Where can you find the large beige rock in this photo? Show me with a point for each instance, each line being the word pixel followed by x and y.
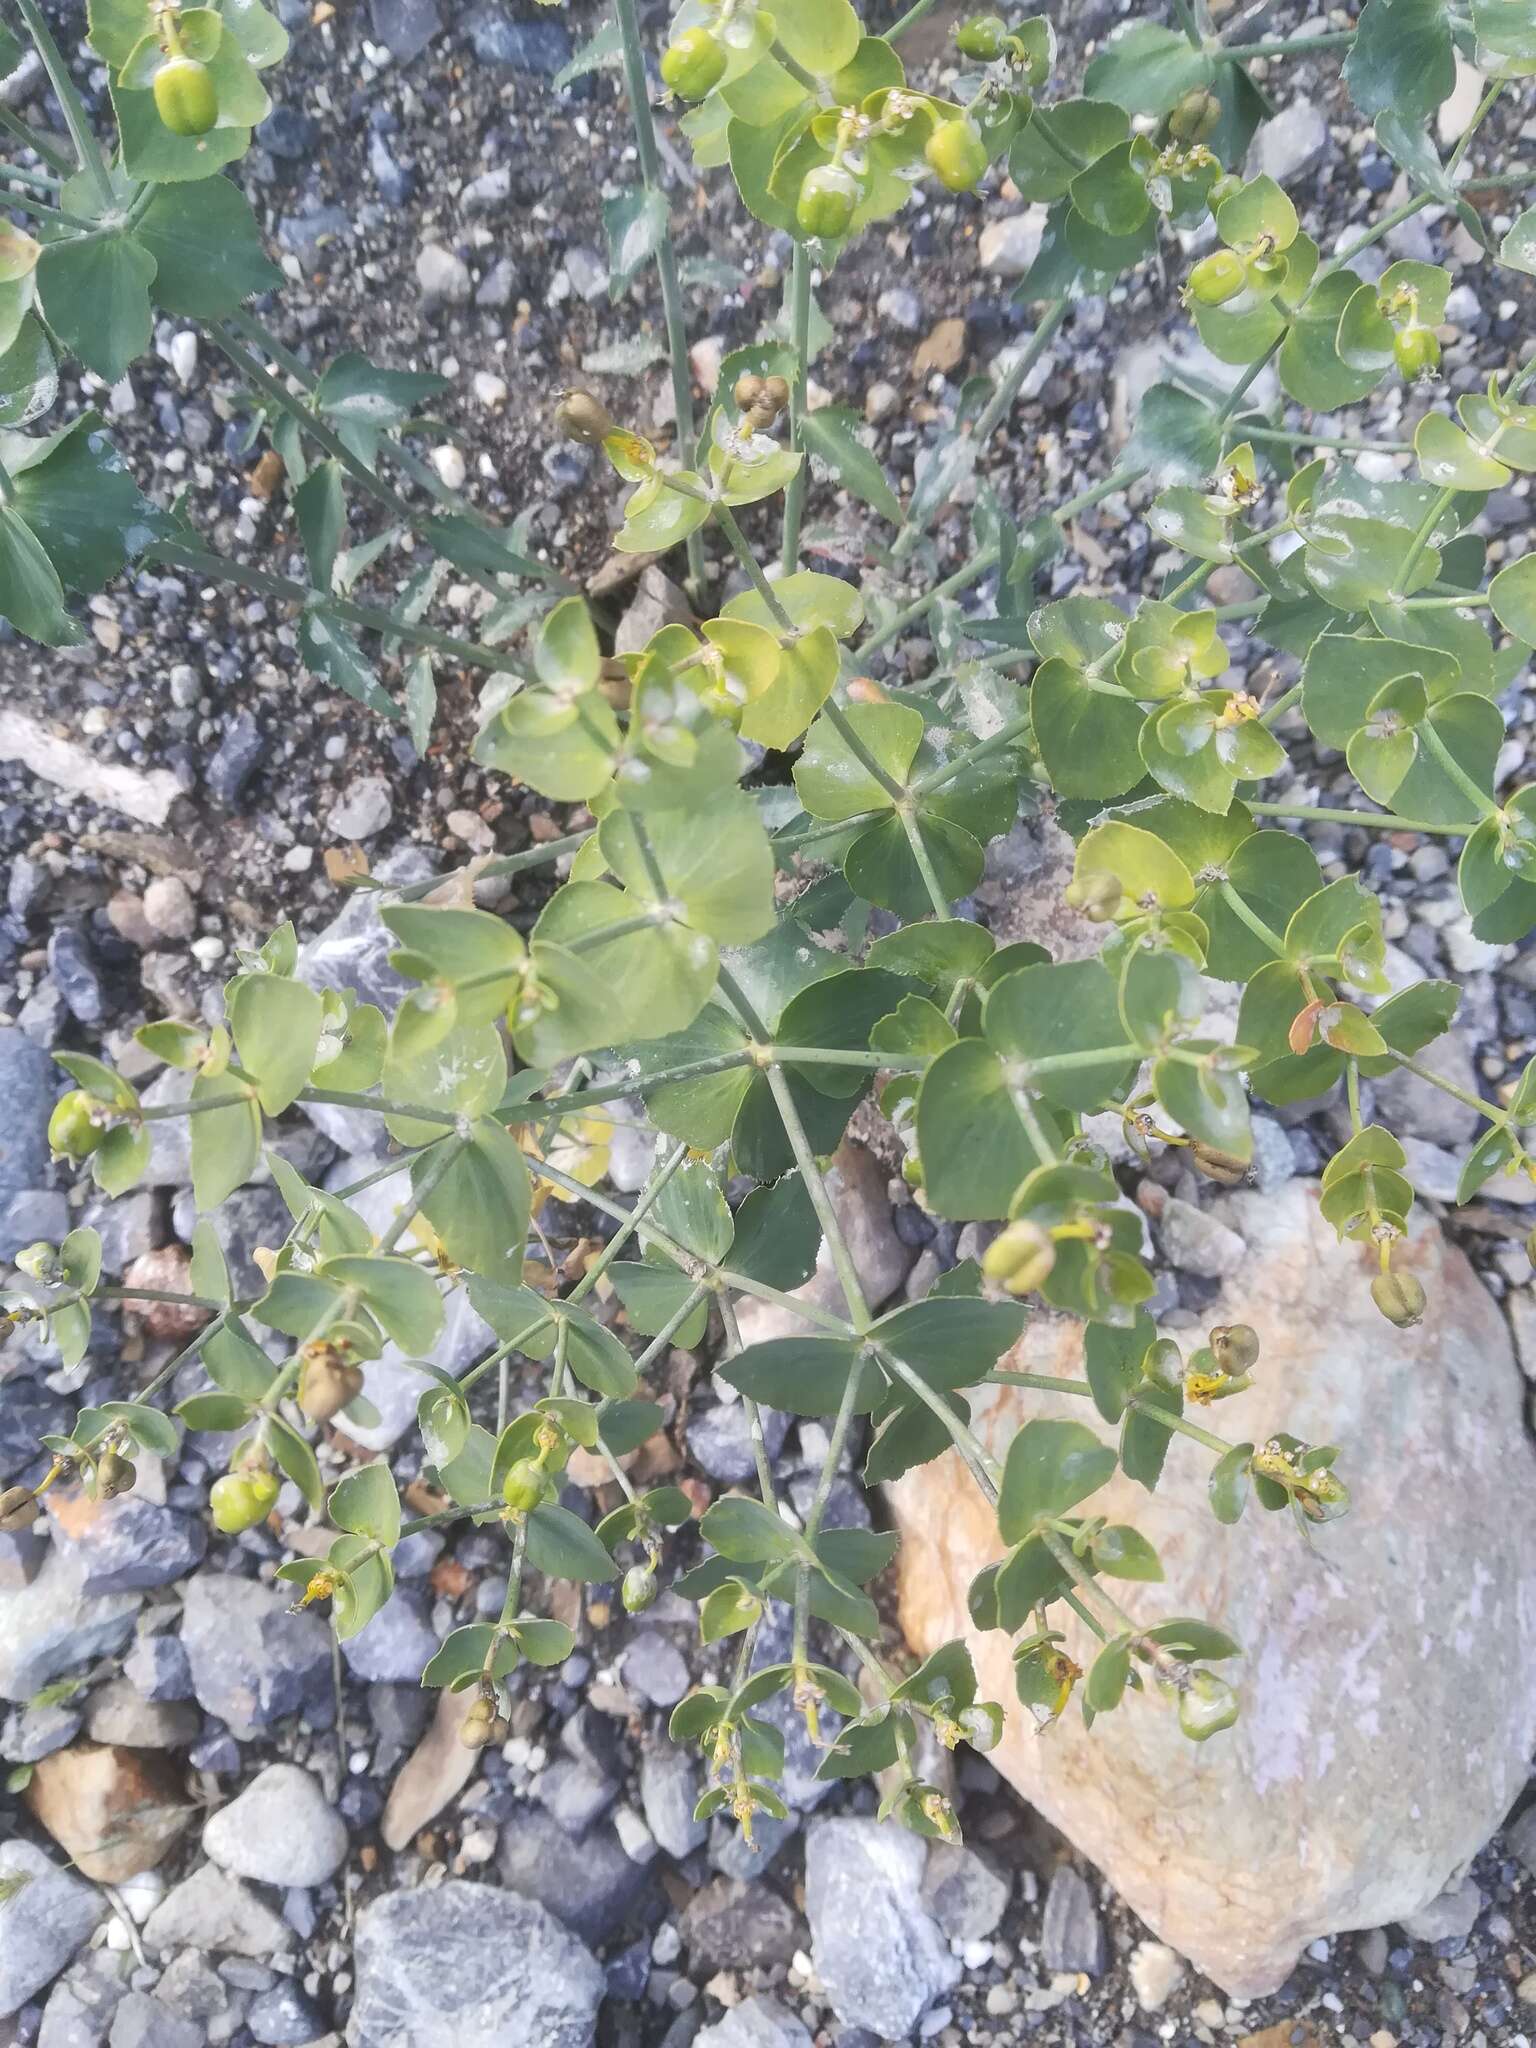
pixel 1389 1687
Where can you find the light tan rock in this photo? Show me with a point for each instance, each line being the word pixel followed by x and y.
pixel 437 1770
pixel 113 1811
pixel 1389 1686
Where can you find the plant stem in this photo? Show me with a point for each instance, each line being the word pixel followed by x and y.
pixel 925 868
pixel 638 91
pixel 1479 799
pixel 1188 23
pixel 800 342
pixel 40 209
pixel 504 864
pixel 821 1201
pixel 71 105
pixel 1491 1110
pixel 1343 443
pixel 914 14
pixel 848 733
pixel 1182 1426
pixel 1002 399
pixel 1286 46
pixel 725 519
pixel 1243 911
pixel 41 145
pixel 448 1151
pixel 1321 814
pixel 754 1413
pixel 983 1467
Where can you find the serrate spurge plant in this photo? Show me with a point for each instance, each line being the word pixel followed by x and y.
pixel 754 797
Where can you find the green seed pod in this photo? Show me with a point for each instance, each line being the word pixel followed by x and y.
pixel 115 1474
pixel 1162 1364
pixel 639 1589
pixel 525 1486
pixel 1206 1706
pixel 828 198
pixel 1020 1256
pixel 18 1509
pixel 1196 116
pixel 694 64
pixel 1217 277
pixel 186 98
pixel 1416 351
pixel 73 1132
pixel 1096 895
pixel 38 1261
pixel 235 1504
pixel 1400 1299
pixel 1236 1347
pixel 956 154
pixel 983 37
pixel 980 1727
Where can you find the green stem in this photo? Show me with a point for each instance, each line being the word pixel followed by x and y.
pixel 1002 400
pixel 1246 914
pixel 645 1201
pixel 914 14
pixel 59 216
pixel 1189 25
pixel 42 146
pixel 1342 442
pixel 1321 814
pixel 821 1201
pixel 800 342
pixel 582 1099
pixel 983 1467
pixel 71 105
pixel 638 91
pixel 448 1151
pixel 1182 1426
pixel 848 733
pixel 1491 1110
pixel 1286 46
pixel 725 519
pixel 1273 713
pixel 754 1413
pixel 1479 799
pixel 504 864
pixel 1093 1594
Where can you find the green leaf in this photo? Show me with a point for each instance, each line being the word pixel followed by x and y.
pixel 95 296
pixel 226 1142
pixel 562 1547
pixel 330 648
pixel 1229 1483
pixel 480 1206
pixel 1143 1440
pixel 1050 1467
pixel 803 1375
pixel 80 500
pixel 1146 68
pixel 1402 60
pixel 777 1235
pixel 1086 730
pixel 276 1023
pixel 823 35
pixel 635 223
pixel 951 1341
pixel 716 864
pixel 831 433
pixel 401 1295
pixel 31 595
pixel 366 1503
pixel 463 1655
pixel 1039 1011
pixel 1512 594
pixel 832 782
pixel 973 1148
pixel 206 249
pixel 746 1532
pixel 320 506
pixel 296 1459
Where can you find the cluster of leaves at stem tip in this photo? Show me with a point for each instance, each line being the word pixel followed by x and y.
pixel 708 950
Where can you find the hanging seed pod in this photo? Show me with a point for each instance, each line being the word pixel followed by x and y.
pixel 1225 1168
pixel 18 1509
pixel 639 1589
pixel 1097 896
pixel 115 1475
pixel 482 1727
pixel 1236 1347
pixel 581 417
pixel 1206 1706
pixel 1400 1298
pixel 327 1382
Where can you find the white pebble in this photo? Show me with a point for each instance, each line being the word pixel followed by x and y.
pixel 449 464
pixel 184 354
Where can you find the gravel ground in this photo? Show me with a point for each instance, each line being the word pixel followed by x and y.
pixel 126 899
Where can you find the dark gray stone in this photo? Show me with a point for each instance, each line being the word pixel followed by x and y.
pixel 143 2022
pixel 252 1662
pixel 574 1794
pixel 51 1625
pixel 404 27
pixel 719 1442
pixel 729 1925
pixel 81 2004
pixel 131 1544
pixel 158 1667
pixel 399 1642
pixel 284 2016
pixel 1520 1839
pixel 34 1213
pixel 670 1783
pixel 759 2022
pixel 235 759
pixel 75 973
pixel 28 1412
pixel 528 45
pixel 399 1714
pixel 965 1892
pixel 590 1884
pixel 1071 1937
pixel 287 132
pixel 31 1733
pixel 655 1668
pixel 464 1963
pixel 46 1919
pixel 30 1084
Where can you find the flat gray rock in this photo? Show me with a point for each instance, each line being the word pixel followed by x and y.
pixel 878 1950
pixel 46 1919
pixel 281 1830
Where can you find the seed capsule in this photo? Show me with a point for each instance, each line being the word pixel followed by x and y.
pixel 482 1726
pixel 581 417
pixel 18 1509
pixel 694 64
pixel 186 98
pixel 982 37
pixel 327 1382
pixel 115 1474
pixel 1416 351
pixel 73 1132
pixel 747 389
pixel 1098 896
pixel 235 1504
pixel 1400 1298
pixel 1021 1257
pixel 639 1589
pixel 828 197
pixel 1206 1706
pixel 1225 1168
pixel 1196 116
pixel 1236 1346
pixel 1218 277
pixel 524 1486
pixel 956 154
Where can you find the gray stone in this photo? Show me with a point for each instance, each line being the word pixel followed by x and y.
pixel 670 1784
pixel 587 271
pixel 31 1733
pixel 249 1217
pixel 399 1713
pixel 1071 1937
pixel 464 1963
pixel 730 1925
pixel 158 1667
pixel 170 1141
pixel 1450 1917
pixel 252 1661
pixel 655 1668
pixel 498 38
pixel 30 1084
pixel 125 1225
pixel 755 2023
pixel 719 1439
pixel 497 288
pixel 76 975
pixel 491 189
pixel 283 2017
pixel 1290 145
pixel 404 27
pixel 143 2022
pixel 191 1987
pixel 1273 1160
pixel 119 1714
pixel 29 1215
pixel 1008 246
pixel 734 1856
pixel 1197 1242
pixel 235 759
pixel 81 2004
pixel 590 1884
pixel 280 1830
pixel 1520 1839
pixel 28 1412
pixel 878 1950
pixel 901 308
pixel 574 1794
pixel 212 1910
pixel 443 277
pixel 965 1892
pixel 398 1643
pixel 1416 1108
pixel 52 1625
pixel 130 1544
pixel 43 1922
pixel 365 808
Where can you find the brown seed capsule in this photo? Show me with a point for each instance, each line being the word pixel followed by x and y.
pixel 581 417
pixel 1236 1347
pixel 865 690
pixel 1225 1168
pixel 747 389
pixel 482 1726
pixel 115 1474
pixel 327 1382
pixel 776 392
pixel 1196 116
pixel 1020 1257
pixel 1400 1299
pixel 18 1509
